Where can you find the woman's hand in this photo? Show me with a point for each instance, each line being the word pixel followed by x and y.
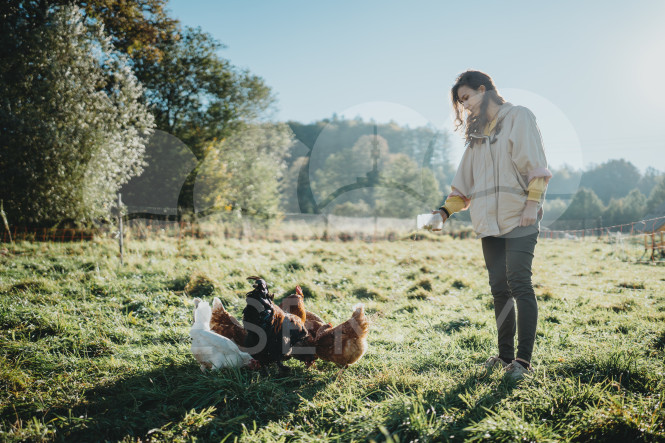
pixel 529 214
pixel 443 216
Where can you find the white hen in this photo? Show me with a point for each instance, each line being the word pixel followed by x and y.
pixel 210 349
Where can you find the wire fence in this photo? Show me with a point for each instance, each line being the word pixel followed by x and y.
pixel 640 241
pixel 59 235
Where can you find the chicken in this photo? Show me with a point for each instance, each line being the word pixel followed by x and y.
pixel 210 349
pixel 313 322
pixel 345 343
pixel 272 334
pixel 295 304
pixel 226 325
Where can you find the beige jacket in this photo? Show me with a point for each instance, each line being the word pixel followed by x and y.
pixel 495 171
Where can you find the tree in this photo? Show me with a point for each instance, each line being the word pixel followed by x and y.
pixel 73 126
pixel 196 95
pixel 649 180
pixel 625 210
pixel 585 206
pixel 332 164
pixel 242 173
pixel 135 27
pixel 392 202
pixel 424 145
pixel 657 196
pixel 615 178
pixel 289 187
pixel 564 183
pixel 553 209
pixel 199 97
pixel 400 189
pixel 345 168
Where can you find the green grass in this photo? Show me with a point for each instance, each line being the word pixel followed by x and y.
pixel 90 350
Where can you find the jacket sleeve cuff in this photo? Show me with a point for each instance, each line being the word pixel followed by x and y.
pixel 536 188
pixel 540 173
pixel 461 197
pixel 454 203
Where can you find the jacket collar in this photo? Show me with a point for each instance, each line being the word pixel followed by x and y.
pixel 504 110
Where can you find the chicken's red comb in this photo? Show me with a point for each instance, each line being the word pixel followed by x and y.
pixel 299 291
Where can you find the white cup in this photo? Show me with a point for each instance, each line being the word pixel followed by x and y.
pixel 429 222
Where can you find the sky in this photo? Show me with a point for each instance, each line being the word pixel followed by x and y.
pixel 591 71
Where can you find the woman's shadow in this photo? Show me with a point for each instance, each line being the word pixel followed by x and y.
pixel 461 397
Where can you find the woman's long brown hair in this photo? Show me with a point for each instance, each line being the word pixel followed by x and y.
pixel 474 124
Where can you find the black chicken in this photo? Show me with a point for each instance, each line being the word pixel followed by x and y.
pixel 272 334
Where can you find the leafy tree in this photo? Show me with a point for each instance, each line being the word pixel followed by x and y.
pixel 196 95
pixel 346 166
pixel 72 122
pixel 289 188
pixel 614 178
pixel 657 196
pixel 585 206
pixel 402 189
pixel 135 27
pixel 242 173
pixel 333 164
pixel 168 163
pixel 649 180
pixel 625 210
pixel 392 202
pixel 331 136
pixel 199 98
pixel 564 183
pixel 553 209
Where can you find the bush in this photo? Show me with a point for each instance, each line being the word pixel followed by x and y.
pixel 73 123
pixel 200 285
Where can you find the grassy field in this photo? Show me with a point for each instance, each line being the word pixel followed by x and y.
pixel 90 350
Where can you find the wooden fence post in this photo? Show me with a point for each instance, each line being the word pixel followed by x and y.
pixel 120 230
pixel 4 220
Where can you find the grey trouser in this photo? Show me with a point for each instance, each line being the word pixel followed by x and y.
pixel 508 260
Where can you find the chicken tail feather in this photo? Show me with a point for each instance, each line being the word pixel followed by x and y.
pixel 217 303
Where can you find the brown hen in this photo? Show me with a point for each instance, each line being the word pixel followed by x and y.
pixel 313 322
pixel 345 343
pixel 223 323
pixel 295 304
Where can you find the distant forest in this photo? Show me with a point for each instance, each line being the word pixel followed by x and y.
pixel 339 152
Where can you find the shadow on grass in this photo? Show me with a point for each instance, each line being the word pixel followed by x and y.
pixel 180 401
pixel 426 416
pixel 622 367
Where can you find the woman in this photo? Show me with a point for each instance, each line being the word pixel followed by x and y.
pixel 501 180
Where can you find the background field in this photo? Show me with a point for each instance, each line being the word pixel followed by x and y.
pixel 90 350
